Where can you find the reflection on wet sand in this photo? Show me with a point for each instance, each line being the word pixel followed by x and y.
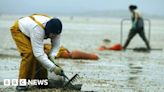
pixel 134 75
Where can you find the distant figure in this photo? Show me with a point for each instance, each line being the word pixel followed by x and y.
pixel 137 27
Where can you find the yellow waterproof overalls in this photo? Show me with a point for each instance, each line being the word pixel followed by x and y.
pixel 30 67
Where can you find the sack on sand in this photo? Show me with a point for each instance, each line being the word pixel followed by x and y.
pixel 116 47
pixel 83 55
pixel 65 53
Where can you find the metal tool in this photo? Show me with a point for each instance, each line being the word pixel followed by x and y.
pixel 71 80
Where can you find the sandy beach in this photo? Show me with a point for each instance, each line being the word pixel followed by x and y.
pixel 115 71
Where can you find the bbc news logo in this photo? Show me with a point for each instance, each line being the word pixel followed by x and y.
pixel 24 82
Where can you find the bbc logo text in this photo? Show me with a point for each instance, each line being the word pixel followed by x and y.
pixel 24 82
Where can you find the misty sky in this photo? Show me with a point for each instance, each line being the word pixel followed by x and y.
pixel 154 7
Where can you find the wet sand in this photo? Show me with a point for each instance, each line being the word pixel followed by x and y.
pixel 115 71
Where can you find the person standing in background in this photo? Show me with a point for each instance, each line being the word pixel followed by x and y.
pixel 137 27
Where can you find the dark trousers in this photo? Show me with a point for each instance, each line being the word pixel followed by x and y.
pixel 133 32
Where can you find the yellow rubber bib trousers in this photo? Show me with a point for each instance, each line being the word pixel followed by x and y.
pixel 30 67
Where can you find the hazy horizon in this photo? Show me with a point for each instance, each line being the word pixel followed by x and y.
pixel 77 7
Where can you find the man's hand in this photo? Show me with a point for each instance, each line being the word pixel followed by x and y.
pixel 58 70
